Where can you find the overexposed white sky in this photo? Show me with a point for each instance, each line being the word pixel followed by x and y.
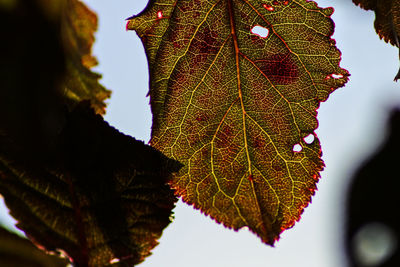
pixel 351 125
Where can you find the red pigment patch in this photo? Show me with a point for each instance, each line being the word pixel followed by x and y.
pixel 206 41
pixel 258 142
pixel 224 137
pixel 184 6
pixel 177 45
pixel 202 117
pixel 256 40
pixel 277 166
pixel 179 37
pixel 268 7
pixel 279 69
pixel 203 46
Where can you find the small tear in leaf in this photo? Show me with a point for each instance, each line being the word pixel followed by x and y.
pixel 115 260
pixel 268 7
pixel 297 148
pixel 336 76
pixel 309 139
pixel 260 31
pixel 159 14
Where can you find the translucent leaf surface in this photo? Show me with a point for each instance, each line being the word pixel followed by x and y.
pixel 78 25
pixel 234 105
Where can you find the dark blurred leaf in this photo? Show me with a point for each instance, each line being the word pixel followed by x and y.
pixel 373 199
pixel 104 196
pixel 16 251
pixel 387 21
pixel 46 69
pixel 74 183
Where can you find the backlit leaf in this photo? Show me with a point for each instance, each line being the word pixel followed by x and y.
pixel 78 26
pixel 234 87
pixel 387 21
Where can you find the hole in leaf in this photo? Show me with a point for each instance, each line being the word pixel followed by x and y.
pixel 268 7
pixel 159 14
pixel 115 260
pixel 336 76
pixel 309 139
pixel 260 31
pixel 297 148
pixel 374 243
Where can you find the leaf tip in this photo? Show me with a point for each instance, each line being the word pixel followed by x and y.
pixel 397 76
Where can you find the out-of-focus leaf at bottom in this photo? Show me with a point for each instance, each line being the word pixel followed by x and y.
pixel 16 251
pixel 102 199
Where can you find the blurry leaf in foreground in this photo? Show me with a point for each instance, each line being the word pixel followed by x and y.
pixel 102 198
pixel 72 182
pixel 372 220
pixel 235 88
pixel 387 21
pixel 16 251
pixel 45 70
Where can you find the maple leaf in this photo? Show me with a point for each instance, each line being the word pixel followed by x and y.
pixel 235 105
pixel 387 21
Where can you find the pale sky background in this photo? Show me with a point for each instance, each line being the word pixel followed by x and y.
pixel 351 125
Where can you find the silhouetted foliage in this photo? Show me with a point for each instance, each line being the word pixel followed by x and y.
pixel 373 202
pixel 73 183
